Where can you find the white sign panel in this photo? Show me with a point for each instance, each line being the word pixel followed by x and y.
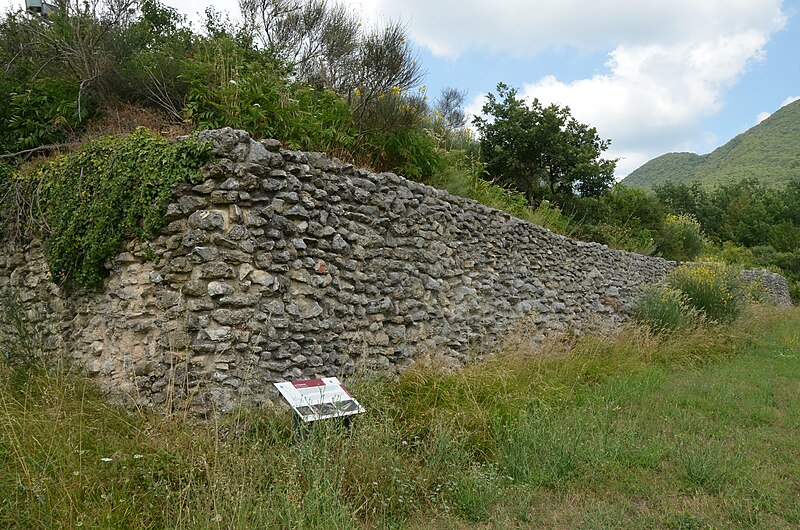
pixel 319 399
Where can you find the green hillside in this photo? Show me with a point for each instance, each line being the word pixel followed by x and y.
pixel 770 152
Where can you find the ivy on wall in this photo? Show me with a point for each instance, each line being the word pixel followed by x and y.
pixel 107 191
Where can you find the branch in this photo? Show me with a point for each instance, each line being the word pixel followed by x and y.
pixel 48 147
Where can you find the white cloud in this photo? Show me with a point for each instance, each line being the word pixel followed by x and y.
pixel 651 97
pixel 790 99
pixel 762 116
pixel 527 27
pixel 654 93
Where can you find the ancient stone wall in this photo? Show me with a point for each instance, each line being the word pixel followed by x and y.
pixel 287 265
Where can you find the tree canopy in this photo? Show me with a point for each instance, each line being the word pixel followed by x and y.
pixel 541 150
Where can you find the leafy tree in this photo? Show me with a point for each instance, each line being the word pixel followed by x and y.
pixel 542 151
pixel 450 106
pixel 747 212
pixel 324 44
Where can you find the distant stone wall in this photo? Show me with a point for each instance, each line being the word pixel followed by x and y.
pixel 287 265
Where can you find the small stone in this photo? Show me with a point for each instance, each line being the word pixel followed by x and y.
pixel 338 243
pixel 231 184
pixel 297 211
pixel 216 270
pixel 209 185
pixel 273 307
pixel 236 300
pixel 204 254
pixel 219 289
pixel 278 205
pixel 180 264
pixel 259 153
pixel 194 238
pixel 174 211
pixel 300 275
pixel 194 288
pixel 207 220
pixel 244 270
pixel 273 184
pixel 231 317
pixel 219 334
pixel 224 197
pixel 237 232
pixel 305 308
pixel 262 278
pixel 271 144
pixel 191 203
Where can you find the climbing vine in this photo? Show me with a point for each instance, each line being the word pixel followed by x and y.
pixel 111 189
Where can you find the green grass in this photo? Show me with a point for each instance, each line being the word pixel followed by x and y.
pixel 692 430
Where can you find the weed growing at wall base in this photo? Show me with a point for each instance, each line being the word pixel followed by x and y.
pixel 715 288
pixel 694 292
pixel 665 309
pixel 21 342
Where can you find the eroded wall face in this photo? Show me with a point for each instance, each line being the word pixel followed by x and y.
pixel 288 265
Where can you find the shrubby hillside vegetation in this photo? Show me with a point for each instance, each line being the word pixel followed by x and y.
pixel 312 75
pixel 768 152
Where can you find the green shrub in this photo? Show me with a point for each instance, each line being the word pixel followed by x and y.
pixel 736 255
pixel 549 216
pixel 794 291
pixel 682 237
pixel 42 113
pixel 409 152
pixel 619 236
pixel 229 86
pixel 665 309
pixel 715 288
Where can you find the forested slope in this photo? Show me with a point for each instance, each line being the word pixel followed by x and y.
pixel 769 152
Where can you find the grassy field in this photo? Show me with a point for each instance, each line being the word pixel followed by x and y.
pixel 699 430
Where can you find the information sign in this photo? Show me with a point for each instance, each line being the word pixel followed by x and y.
pixel 319 399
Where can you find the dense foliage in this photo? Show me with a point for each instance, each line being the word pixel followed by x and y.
pixel 541 150
pixel 320 81
pixel 311 75
pixel 750 222
pixel 88 202
pixel 767 152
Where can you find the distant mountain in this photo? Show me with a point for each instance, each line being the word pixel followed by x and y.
pixel 770 152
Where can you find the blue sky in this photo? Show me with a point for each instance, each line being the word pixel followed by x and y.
pixel 652 75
